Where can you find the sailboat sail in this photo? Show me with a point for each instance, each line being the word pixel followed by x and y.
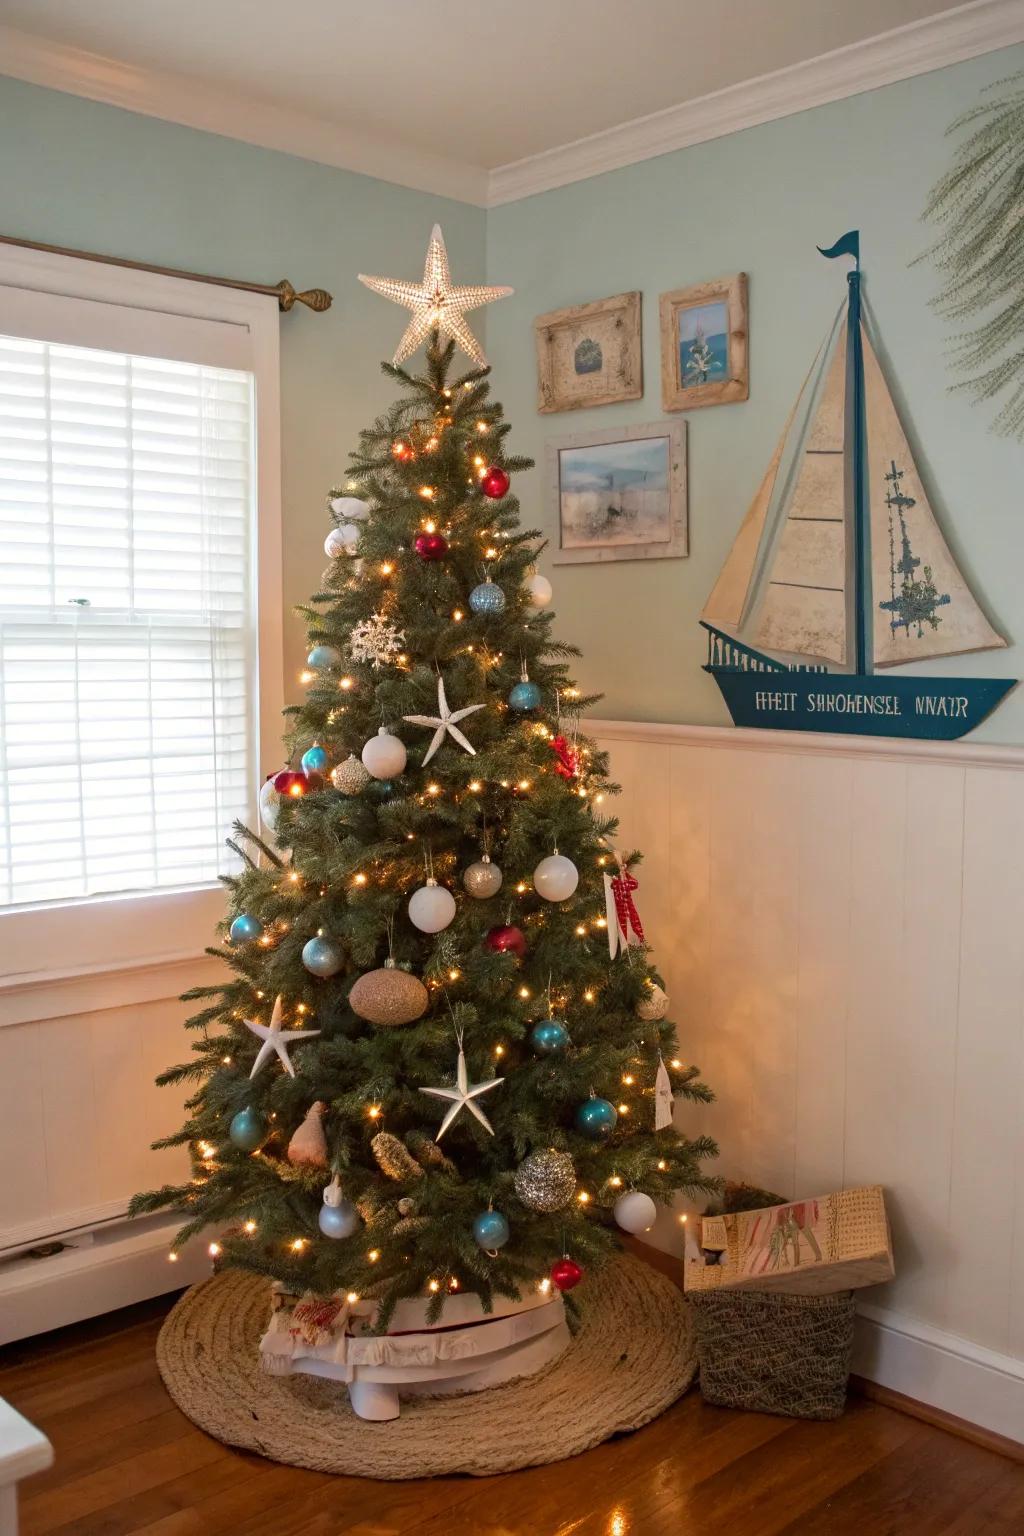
pixel 805 609
pixel 922 605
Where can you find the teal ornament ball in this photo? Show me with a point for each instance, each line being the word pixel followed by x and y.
pixel 338 1221
pixel 244 929
pixel 525 695
pixel 596 1119
pixel 321 957
pixel 549 1036
pixel 247 1129
pixel 314 759
pixel 491 1230
pixel 323 656
pixel 487 599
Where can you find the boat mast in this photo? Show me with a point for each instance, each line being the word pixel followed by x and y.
pixel 861 536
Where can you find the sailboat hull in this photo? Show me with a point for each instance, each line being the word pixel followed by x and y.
pixel 919 708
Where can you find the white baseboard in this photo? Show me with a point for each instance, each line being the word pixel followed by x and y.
pixel 941 1370
pixel 114 1270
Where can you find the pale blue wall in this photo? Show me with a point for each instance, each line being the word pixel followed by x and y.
pixel 79 174
pixel 758 202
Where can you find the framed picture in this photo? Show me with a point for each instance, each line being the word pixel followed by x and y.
pixel 704 344
pixel 589 354
pixel 620 494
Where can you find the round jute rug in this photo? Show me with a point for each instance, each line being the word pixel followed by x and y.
pixel 632 1357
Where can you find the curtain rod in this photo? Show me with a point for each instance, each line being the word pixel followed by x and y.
pixel 316 299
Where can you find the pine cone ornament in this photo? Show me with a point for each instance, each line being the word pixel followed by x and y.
pixel 427 1153
pixel 396 1161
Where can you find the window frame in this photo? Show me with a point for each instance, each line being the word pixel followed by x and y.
pixel 89 937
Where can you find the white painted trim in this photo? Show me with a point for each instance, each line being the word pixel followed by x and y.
pixel 117 1269
pixel 178 99
pixel 958 754
pixel 933 43
pixel 941 1369
pixel 32 999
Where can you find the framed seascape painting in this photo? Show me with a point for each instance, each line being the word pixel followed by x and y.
pixel 704 344
pixel 589 354
pixel 620 494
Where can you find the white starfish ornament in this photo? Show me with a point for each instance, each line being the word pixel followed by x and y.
pixel 436 303
pixel 445 723
pixel 463 1096
pixel 275 1039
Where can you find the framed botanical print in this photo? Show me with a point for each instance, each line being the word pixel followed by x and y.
pixel 589 354
pixel 704 344
pixel 619 494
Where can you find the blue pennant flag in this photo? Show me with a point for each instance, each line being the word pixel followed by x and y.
pixel 846 245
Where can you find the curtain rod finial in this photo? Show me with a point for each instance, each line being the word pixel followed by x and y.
pixel 316 299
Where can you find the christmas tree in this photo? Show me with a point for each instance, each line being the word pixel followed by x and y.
pixel 441 1061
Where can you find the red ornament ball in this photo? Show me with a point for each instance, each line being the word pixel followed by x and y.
pixel 431 546
pixel 565 1274
pixel 292 784
pixel 506 939
pixel 494 482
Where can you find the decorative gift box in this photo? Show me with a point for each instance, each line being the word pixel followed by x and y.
pixel 813 1247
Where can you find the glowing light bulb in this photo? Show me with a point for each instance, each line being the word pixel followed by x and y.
pixel 352 1298
pixel 374 1111
pixel 675 1062
pixel 544 1287
pixel 373 1255
pixel 499 1050
pixel 250 1226
pixel 359 879
pixel 430 526
pixel 214 1250
pixel 629 1079
pixel 345 684
pixel 615 1181
pixel 475 787
pixel 427 492
pixel 387 568
pixel 588 996
pixel 524 991
pixel 583 1197
pixel 172 1258
pixel 458 615
pixel 453 974
pixel 298 1244
pixel 623 1109
pixel 662 1165
pixel 435 1285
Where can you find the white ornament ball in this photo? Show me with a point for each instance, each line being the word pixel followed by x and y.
pixel 635 1211
pixel 350 776
pixel 384 755
pixel 539 590
pixel 350 509
pixel 653 1005
pixel 556 877
pixel 482 879
pixel 270 804
pixel 431 908
pixel 337 542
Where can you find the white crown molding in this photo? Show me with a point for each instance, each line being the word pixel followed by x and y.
pixel 954 754
pixel 177 99
pixel 948 38
pixel 981 26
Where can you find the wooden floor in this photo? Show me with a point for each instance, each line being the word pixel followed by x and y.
pixel 128 1461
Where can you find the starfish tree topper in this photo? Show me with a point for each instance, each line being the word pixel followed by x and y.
pixel 437 303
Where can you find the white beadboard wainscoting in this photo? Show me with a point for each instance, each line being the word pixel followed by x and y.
pixel 839 922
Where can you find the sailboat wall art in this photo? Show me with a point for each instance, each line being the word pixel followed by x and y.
pixel 840 573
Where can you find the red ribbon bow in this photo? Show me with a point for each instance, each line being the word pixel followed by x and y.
pixel 623 886
pixel 568 758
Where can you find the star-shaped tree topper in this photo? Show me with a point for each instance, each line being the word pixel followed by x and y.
pixel 445 723
pixel 275 1039
pixel 463 1096
pixel 436 303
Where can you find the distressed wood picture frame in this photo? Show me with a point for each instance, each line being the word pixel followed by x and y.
pixel 589 354
pixel 704 344
pixel 619 494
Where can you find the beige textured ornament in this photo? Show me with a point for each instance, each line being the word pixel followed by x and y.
pixel 653 1005
pixel 350 777
pixel 389 997
pixel 308 1147
pixel 394 1159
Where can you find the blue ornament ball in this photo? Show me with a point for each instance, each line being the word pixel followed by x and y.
pixel 549 1036
pixel 491 1230
pixel 323 656
pixel 524 696
pixel 247 1129
pixel 321 957
pixel 596 1119
pixel 244 929
pixel 338 1221
pixel 487 599
pixel 314 759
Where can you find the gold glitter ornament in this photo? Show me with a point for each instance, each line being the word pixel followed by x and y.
pixel 389 997
pixel 436 303
pixel 350 777
pixel 546 1181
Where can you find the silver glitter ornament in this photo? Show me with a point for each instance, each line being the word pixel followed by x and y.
pixel 482 879
pixel 350 776
pixel 546 1181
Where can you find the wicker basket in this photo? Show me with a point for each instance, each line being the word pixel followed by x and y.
pixel 774 1353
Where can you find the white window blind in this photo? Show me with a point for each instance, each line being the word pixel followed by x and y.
pixel 127 493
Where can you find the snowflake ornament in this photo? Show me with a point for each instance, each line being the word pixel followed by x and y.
pixel 376 640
